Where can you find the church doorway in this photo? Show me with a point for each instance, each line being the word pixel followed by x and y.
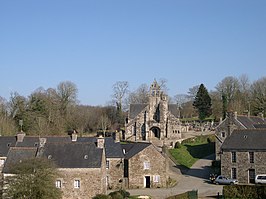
pixel 156 132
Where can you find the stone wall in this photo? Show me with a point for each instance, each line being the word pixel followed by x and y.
pixel 115 173
pixel 157 164
pixel 243 165
pixel 92 182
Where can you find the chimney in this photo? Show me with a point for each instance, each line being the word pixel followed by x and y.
pixel 100 142
pixel 117 136
pixel 20 136
pixel 74 136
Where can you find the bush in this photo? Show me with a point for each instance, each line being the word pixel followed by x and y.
pixel 121 194
pixel 116 195
pixel 244 192
pixel 101 196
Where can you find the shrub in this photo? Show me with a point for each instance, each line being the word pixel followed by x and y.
pixel 101 196
pixel 244 191
pixel 177 145
pixel 116 195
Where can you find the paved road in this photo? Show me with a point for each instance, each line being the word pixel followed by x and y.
pixel 195 178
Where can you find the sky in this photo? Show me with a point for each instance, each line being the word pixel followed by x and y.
pixel 96 43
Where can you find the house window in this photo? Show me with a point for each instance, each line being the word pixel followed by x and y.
pixel 156 178
pixel 58 184
pixel 251 157
pixel 233 154
pixel 146 165
pixel 223 134
pixel 233 173
pixel 107 164
pixel 77 184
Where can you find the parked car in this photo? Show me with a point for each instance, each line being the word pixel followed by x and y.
pixel 224 180
pixel 260 179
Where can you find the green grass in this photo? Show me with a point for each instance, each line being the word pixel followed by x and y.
pixel 193 149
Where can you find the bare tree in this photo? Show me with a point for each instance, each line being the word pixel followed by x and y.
pixel 67 95
pixel 120 89
pixel 139 96
pixel 258 94
pixel 105 123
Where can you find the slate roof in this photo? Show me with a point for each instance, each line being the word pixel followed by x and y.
pixel 132 149
pixel 5 143
pixel 249 122
pixel 135 109
pixel 74 154
pixel 173 108
pixel 113 149
pixel 247 139
pixel 17 154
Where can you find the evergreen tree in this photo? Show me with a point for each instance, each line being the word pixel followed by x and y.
pixel 202 103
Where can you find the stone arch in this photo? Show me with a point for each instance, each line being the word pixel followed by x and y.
pixel 156 132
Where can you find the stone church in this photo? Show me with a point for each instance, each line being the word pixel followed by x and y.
pixel 157 121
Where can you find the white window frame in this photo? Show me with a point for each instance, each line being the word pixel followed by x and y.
pixel 146 165
pixel 156 178
pixel 58 184
pixel 76 183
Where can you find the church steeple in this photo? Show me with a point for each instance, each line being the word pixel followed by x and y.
pixel 155 89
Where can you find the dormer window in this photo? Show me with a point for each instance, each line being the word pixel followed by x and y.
pixel 49 157
pixel 223 134
pixel 85 157
pixel 8 144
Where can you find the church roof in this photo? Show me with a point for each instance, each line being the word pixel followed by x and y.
pixel 135 109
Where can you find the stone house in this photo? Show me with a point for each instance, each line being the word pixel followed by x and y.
pixel 144 166
pixel 156 121
pixel 232 122
pixel 243 154
pixel 82 165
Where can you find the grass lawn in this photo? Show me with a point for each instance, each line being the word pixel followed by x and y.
pixel 193 149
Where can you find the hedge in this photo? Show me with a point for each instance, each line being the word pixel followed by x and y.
pixel 244 192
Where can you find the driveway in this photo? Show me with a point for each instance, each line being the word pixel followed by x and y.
pixel 195 178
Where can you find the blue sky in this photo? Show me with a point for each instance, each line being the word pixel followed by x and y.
pixel 97 43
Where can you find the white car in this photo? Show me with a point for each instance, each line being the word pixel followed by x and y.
pixel 224 180
pixel 260 179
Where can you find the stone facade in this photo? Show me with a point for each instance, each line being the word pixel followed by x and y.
pixel 242 165
pixel 92 182
pixel 231 123
pixel 115 173
pixel 156 120
pixel 147 169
